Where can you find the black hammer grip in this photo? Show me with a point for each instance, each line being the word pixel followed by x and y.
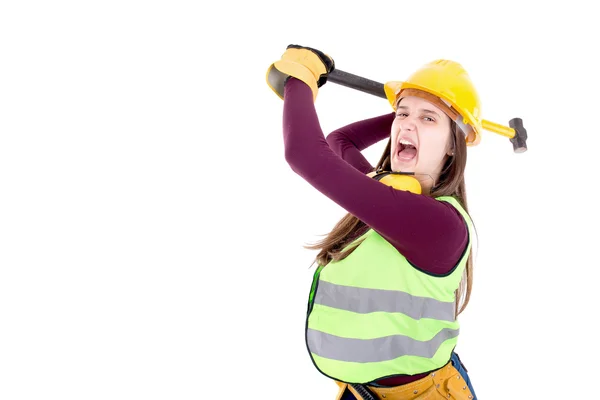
pixel 356 82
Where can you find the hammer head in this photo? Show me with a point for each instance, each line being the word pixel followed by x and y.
pixel 519 141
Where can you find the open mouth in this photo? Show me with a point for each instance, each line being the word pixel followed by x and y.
pixel 406 150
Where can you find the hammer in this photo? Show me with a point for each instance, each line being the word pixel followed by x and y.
pixel 516 132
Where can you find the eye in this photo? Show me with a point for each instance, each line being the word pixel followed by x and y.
pixel 428 119
pixel 401 114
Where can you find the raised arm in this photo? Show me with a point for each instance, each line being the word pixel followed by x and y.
pixel 348 141
pixel 429 233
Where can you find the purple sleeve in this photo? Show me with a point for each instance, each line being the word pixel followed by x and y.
pixel 431 234
pixel 348 141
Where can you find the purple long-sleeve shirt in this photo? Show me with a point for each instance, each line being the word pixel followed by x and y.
pixel 431 234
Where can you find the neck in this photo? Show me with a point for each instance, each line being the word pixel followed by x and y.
pixel 427 183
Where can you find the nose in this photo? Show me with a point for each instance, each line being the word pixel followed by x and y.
pixel 407 124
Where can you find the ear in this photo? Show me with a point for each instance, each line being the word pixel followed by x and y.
pixel 451 149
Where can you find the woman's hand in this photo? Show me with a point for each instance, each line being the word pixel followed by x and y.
pixel 304 63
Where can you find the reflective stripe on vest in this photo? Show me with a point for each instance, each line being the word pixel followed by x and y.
pixel 374 315
pixel 352 299
pixel 379 349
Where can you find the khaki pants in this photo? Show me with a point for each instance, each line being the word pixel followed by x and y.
pixel 445 383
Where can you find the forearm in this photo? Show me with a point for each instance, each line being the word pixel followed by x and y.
pixel 348 141
pixel 429 233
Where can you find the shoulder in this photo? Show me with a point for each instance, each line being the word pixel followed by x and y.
pixel 451 200
pixel 456 204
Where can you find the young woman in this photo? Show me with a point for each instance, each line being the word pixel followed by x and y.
pixel 396 271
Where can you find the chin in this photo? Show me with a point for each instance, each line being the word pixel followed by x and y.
pixel 403 166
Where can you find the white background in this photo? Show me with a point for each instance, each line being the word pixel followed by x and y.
pixel 151 231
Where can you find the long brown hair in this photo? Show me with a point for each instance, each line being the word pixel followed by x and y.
pixel 450 183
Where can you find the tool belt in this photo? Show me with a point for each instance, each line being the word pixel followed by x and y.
pixel 444 383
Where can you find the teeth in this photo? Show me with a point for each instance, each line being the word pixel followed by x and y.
pixel 404 141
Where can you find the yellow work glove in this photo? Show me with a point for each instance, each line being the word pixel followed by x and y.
pixel 309 65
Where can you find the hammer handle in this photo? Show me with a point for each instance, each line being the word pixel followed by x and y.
pixel 516 132
pixel 497 128
pixel 357 82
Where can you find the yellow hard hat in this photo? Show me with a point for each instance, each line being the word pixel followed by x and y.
pixel 448 81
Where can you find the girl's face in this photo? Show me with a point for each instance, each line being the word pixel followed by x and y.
pixel 421 139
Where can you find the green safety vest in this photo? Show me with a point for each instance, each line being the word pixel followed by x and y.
pixel 374 315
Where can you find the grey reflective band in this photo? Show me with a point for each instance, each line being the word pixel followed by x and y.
pixel 374 350
pixel 361 300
